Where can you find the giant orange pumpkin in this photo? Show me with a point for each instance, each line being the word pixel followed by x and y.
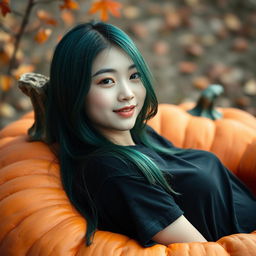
pixel 230 138
pixel 38 219
pixel 227 132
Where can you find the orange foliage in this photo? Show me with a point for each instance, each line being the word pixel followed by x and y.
pixel 42 35
pixel 69 4
pixel 22 69
pixel 67 17
pixel 105 7
pixel 4 57
pixel 43 18
pixel 5 82
pixel 46 18
pixel 59 37
pixel 4 6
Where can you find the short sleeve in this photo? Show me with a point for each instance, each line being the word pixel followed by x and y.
pixel 131 206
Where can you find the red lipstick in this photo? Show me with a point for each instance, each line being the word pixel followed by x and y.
pixel 126 111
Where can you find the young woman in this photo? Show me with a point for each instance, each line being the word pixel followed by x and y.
pixel 118 172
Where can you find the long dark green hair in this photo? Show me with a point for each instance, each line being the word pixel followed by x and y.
pixel 67 123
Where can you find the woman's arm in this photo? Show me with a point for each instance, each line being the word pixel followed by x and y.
pixel 180 231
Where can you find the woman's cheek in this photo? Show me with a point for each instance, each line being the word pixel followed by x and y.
pixel 141 94
pixel 100 100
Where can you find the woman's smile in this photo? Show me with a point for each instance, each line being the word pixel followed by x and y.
pixel 126 112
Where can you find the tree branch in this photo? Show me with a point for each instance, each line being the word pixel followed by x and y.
pixel 46 1
pixel 17 41
pixel 17 13
pixel 6 30
pixel 20 34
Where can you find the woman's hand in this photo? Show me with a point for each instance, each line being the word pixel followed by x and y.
pixel 180 231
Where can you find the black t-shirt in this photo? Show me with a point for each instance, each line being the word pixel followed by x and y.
pixel 211 197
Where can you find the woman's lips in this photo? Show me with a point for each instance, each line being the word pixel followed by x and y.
pixel 126 111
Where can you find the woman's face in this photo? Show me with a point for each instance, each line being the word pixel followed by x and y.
pixel 116 95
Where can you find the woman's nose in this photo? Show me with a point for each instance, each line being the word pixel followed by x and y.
pixel 125 93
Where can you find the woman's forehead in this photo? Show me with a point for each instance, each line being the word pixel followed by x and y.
pixel 112 57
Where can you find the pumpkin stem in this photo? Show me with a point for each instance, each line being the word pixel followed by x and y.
pixel 205 104
pixel 34 86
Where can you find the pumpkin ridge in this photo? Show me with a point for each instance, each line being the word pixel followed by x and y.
pixel 203 132
pixel 60 213
pixel 4 186
pixel 238 114
pixel 80 243
pixel 35 188
pixel 16 128
pixel 11 141
pixel 32 173
pixel 228 254
pixel 126 247
pixel 79 247
pixel 26 175
pixel 35 150
pixel 186 132
pixel 241 240
pixel 17 223
pixel 52 170
pixel 45 233
pixel 212 142
pixel 75 215
pixel 227 130
pixel 247 166
pixel 123 245
pixel 45 191
pixel 5 141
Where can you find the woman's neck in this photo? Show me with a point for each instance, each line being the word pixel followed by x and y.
pixel 122 138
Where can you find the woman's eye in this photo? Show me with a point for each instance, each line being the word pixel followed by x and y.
pixel 135 75
pixel 106 81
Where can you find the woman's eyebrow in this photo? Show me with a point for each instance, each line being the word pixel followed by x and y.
pixel 132 66
pixel 104 70
pixel 110 70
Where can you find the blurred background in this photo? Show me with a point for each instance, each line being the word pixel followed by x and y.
pixel 188 45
